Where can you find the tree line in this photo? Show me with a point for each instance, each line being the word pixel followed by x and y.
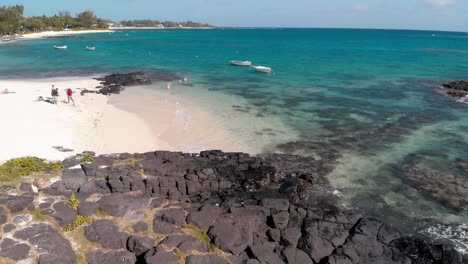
pixel 12 21
pixel 157 23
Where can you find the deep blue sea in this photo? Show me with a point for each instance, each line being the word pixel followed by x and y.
pixel 362 100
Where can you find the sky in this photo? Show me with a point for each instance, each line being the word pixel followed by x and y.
pixel 389 14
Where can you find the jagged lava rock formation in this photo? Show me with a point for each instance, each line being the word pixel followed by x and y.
pixel 212 207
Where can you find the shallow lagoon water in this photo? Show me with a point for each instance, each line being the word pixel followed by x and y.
pixel 364 94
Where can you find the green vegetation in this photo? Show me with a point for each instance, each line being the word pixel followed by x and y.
pixel 22 167
pixel 101 213
pixel 56 167
pixel 200 234
pixel 12 21
pixel 38 216
pixel 132 162
pixel 181 255
pixel 79 221
pixel 73 202
pixel 88 158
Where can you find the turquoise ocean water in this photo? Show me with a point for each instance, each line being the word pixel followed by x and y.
pixel 359 98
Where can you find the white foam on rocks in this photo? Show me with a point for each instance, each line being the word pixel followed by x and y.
pixel 457 234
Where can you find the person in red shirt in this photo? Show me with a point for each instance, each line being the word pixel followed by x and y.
pixel 70 95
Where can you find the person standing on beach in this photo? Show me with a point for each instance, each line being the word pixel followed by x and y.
pixel 54 93
pixel 168 85
pixel 69 95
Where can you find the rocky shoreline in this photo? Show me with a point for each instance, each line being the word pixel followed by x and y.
pixel 212 207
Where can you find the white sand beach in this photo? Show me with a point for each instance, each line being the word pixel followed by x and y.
pixel 50 34
pixel 38 128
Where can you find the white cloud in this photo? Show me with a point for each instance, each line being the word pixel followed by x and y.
pixel 441 3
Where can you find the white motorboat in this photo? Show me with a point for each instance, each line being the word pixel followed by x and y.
pixel 240 63
pixel 90 48
pixel 60 47
pixel 263 69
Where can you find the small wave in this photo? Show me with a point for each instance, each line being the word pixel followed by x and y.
pixel 457 234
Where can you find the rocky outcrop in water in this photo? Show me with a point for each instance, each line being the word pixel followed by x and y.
pixel 212 207
pixel 115 83
pixel 457 90
pixel 449 189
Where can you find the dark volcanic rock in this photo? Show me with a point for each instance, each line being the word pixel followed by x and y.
pixel 140 227
pixel 95 186
pixel 280 220
pixel 73 178
pixel 7 188
pixel 321 236
pixel 48 243
pixel 114 83
pixel 118 204
pixel 12 249
pixel 205 216
pixel 294 255
pixel 9 227
pixel 27 188
pixel 160 256
pixel 264 209
pixel 277 204
pixel 264 253
pixel 19 203
pixel 185 243
pixel 167 221
pixel 140 244
pixel 111 257
pixel 456 89
pixel 89 169
pixel 212 259
pixel 231 238
pixel 106 233
pixel 3 216
pixel 63 214
pixel 290 237
pixel 57 188
pixel 87 208
pixel 420 251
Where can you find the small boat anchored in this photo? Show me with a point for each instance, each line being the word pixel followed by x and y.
pixel 240 63
pixel 90 48
pixel 64 47
pixel 262 69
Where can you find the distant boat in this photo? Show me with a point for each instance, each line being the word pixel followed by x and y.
pixel 263 69
pixel 60 47
pixel 240 63
pixel 90 48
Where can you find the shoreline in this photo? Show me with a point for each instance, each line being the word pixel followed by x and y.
pixel 137 120
pixel 38 128
pixel 178 121
pixel 50 34
pixel 162 28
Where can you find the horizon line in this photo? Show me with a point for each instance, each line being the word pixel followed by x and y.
pixel 354 28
